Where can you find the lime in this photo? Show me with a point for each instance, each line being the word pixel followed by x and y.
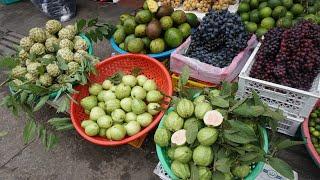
pixel 274 3
pixel 245 1
pixel 318 150
pixel 262 5
pixel 316 133
pixel 318 127
pixel 265 12
pixel 245 17
pixel 297 9
pixel 311 17
pixel 261 31
pixel 254 4
pixel 314 140
pixel 312 123
pixel 254 16
pixel 289 15
pixel 243 7
pixel 251 27
pixel 287 3
pixel 268 23
pixel 284 22
pixel 311 129
pixel 278 12
pixel 314 115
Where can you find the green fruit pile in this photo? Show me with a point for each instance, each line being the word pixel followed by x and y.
pixel 51 56
pixel 314 128
pixel 123 109
pixel 148 32
pixel 262 15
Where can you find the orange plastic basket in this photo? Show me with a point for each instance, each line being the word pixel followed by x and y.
pixel 150 67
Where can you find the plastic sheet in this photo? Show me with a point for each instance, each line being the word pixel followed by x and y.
pixel 62 10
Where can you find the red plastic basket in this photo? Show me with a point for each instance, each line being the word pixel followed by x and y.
pixel 149 66
pixel 306 133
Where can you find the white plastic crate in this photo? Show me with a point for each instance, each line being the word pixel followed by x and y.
pixel 296 103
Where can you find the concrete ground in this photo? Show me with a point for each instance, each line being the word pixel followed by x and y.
pixel 73 157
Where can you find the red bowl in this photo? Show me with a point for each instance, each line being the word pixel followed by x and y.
pixel 150 67
pixel 311 149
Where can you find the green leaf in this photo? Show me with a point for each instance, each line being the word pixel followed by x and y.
pixel 59 121
pixel 80 24
pixel 191 93
pixel 242 127
pixel 41 103
pixel 29 131
pixel 136 71
pixel 34 89
pixel 249 156
pixel 99 35
pixel 223 165
pixel 226 89
pixel 249 111
pixel 256 98
pixel 219 102
pixel 23 96
pixel 3 133
pixel 64 105
pixel 243 132
pixel 52 140
pixel 43 136
pixel 237 104
pixel 92 22
pixel 194 172
pixel 218 176
pixel 288 143
pixel 8 62
pixel 275 115
pixel 191 133
pixel 281 167
pixel 65 127
pixel 116 78
pixel 93 35
pixel 183 80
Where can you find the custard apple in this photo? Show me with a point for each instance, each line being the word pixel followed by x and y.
pixel 32 68
pixel 27 62
pixel 72 28
pixel 76 38
pixel 31 77
pixel 73 67
pixel 26 43
pixel 50 35
pixel 45 80
pixel 77 57
pixel 53 26
pixel 80 44
pixel 23 54
pixel 17 82
pixel 66 33
pixel 63 78
pixel 53 70
pixel 66 43
pixel 38 49
pixel 83 52
pixel 38 35
pixel 95 61
pixel 66 54
pixel 49 56
pixel 52 44
pixel 18 71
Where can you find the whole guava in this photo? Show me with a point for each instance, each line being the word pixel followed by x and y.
pixel 102 105
pixel 107 95
pixel 138 106
pixel 183 154
pixel 104 121
pixel 207 136
pixel 92 129
pixel 129 80
pixel 107 84
pixel 132 128
pixel 204 173
pixel 202 155
pixel 89 102
pixel 170 152
pixel 102 95
pixel 199 99
pixel 191 121
pixel 122 91
pixel 112 105
pixel 241 171
pixel 150 85
pixel 144 119
pixel 154 96
pixel 130 116
pixel 126 103
pixel 138 92
pixel 95 88
pixel 96 113
pixel 181 170
pixel 108 133
pixel 173 121
pixel 201 109
pixel 85 123
pixel 154 108
pixel 102 132
pixel 117 132
pixel 118 115
pixel 185 108
pixel 141 79
pixel 162 137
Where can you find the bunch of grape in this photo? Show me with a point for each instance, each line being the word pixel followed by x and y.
pixel 294 56
pixel 218 39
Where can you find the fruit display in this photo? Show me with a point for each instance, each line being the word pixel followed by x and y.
pixel 219 38
pixel 289 57
pixel 314 129
pixel 222 4
pixel 199 5
pixel 120 106
pixel 262 15
pixel 214 135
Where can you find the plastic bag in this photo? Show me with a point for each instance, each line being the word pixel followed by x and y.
pixel 206 72
pixel 62 10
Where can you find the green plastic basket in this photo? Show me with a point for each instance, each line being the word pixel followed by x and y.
pixel 166 162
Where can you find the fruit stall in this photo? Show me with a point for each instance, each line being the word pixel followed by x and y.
pixel 221 86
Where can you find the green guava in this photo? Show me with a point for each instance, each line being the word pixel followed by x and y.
pixel 207 136
pixel 181 170
pixel 183 154
pixel 173 121
pixel 144 119
pixel 202 155
pixel 96 113
pixel 89 102
pixel 201 109
pixel 132 128
pixel 162 137
pixel 185 108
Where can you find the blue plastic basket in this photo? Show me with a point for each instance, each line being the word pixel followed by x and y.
pixel 6 2
pixel 159 56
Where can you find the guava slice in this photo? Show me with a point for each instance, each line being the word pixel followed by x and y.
pixel 213 118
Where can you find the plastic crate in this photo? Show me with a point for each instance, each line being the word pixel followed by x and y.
pixel 294 102
pixel 6 2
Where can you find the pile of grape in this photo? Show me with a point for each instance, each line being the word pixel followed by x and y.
pixel 314 128
pixel 218 39
pixel 289 57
